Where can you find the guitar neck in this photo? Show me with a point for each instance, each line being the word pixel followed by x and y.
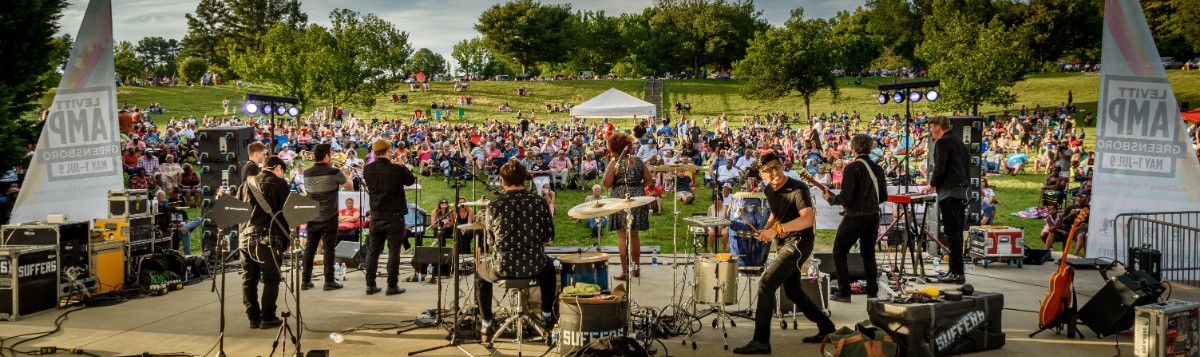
pixel 1062 263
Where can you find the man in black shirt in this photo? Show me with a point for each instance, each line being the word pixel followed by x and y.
pixel 323 180
pixel 257 152
pixel 519 225
pixel 791 223
pixel 386 182
pixel 263 237
pixel 948 177
pixel 863 188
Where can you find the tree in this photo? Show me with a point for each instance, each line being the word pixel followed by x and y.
pixel 697 33
pixel 1175 25
pixel 527 32
pixel 191 69
pixel 977 61
pixel 797 57
pixel 471 56
pixel 596 48
pixel 426 61
pixel 28 27
pixel 899 23
pixel 365 59
pixel 158 54
pixel 61 52
pixel 856 46
pixel 1052 29
pixel 217 26
pixel 127 63
pixel 287 60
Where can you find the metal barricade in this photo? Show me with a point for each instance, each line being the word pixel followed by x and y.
pixel 1175 234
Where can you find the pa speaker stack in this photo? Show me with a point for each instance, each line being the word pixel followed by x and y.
pixel 222 150
pixel 970 130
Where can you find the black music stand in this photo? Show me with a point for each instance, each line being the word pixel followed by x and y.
pixel 227 211
pixel 297 210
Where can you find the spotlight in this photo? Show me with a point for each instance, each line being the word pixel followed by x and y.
pixel 883 98
pixel 268 108
pixel 898 97
pixel 914 96
pixel 251 108
pixel 294 111
pixel 280 110
pixel 932 95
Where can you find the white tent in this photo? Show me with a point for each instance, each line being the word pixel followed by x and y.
pixel 613 104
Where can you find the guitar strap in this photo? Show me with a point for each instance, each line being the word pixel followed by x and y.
pixel 871 174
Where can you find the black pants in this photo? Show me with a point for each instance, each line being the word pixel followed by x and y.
pixel 785 272
pixel 953 211
pixel 260 263
pixel 485 275
pixel 385 228
pixel 320 232
pixel 861 229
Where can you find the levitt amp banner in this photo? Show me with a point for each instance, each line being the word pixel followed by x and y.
pixel 1144 161
pixel 77 159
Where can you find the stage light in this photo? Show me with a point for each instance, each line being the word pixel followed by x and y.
pixel 932 95
pixel 883 98
pixel 914 96
pixel 251 108
pixel 280 110
pixel 898 97
pixel 293 111
pixel 268 108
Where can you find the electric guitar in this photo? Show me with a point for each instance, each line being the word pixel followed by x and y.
pixel 806 177
pixel 1059 296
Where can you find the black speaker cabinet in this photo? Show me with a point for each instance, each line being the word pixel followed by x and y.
pixel 1111 309
pixel 945 328
pixel 350 253
pixel 70 238
pixel 440 257
pixel 226 144
pixel 28 280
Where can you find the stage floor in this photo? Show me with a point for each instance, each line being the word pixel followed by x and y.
pixel 187 320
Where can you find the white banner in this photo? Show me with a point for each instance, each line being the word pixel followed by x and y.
pixel 829 217
pixel 1144 161
pixel 78 157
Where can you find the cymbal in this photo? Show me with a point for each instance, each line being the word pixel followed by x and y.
pixel 758 195
pixel 480 202
pixel 592 209
pixel 471 226
pixel 675 168
pixel 632 202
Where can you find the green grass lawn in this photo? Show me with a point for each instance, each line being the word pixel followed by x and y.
pixel 708 97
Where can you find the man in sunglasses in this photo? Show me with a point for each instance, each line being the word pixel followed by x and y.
pixel 793 217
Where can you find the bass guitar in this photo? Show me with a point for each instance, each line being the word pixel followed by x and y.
pixel 1059 297
pixel 806 177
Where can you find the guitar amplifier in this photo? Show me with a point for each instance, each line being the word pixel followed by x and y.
pixel 108 265
pixel 943 328
pixel 1169 328
pixel 128 203
pixel 129 229
pixel 70 238
pixel 1147 259
pixel 28 280
pixel 1111 309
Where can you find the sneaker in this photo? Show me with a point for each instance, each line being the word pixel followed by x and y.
pixel 306 285
pixel 394 290
pixel 332 285
pixel 255 323
pixel 371 290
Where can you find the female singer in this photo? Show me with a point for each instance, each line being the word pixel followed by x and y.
pixel 627 177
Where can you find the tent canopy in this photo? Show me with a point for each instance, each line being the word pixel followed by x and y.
pixel 613 103
pixel 1192 115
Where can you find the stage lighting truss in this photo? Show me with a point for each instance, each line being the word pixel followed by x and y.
pixel 914 96
pixel 251 108
pixel 271 108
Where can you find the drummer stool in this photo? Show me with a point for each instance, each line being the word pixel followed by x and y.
pixel 521 314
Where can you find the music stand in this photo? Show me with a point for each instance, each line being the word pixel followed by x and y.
pixel 297 210
pixel 226 211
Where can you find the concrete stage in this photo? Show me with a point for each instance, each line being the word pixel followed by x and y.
pixel 187 320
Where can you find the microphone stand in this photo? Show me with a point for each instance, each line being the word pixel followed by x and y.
pixel 454 337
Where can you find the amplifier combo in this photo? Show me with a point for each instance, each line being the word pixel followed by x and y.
pixel 28 280
pixel 128 203
pixel 70 238
pixel 129 229
pixel 1169 328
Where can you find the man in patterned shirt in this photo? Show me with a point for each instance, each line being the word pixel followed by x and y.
pixel 519 225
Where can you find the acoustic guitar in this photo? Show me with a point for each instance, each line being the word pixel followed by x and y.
pixel 1059 296
pixel 806 177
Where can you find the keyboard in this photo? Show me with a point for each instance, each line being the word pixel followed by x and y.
pixel 913 198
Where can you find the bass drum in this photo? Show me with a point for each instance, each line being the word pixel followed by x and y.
pixel 747 215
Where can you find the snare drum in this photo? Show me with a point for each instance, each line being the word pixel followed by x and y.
pixel 746 216
pixel 591 268
pixel 716 280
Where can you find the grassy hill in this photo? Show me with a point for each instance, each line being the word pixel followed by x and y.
pixel 707 97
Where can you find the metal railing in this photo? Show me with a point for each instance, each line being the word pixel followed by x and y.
pixel 1175 234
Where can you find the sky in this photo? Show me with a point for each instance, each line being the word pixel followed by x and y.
pixel 433 24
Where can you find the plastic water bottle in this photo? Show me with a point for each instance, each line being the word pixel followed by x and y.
pixel 937 263
pixel 339 271
pixel 654 258
pixel 337 337
pixel 429 270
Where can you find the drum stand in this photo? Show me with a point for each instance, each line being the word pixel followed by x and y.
pixel 722 316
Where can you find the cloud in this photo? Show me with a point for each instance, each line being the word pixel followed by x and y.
pixel 435 24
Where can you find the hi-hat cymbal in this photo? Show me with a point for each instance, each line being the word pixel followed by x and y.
pixel 480 202
pixel 592 209
pixel 471 226
pixel 675 168
pixel 632 202
pixel 743 195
